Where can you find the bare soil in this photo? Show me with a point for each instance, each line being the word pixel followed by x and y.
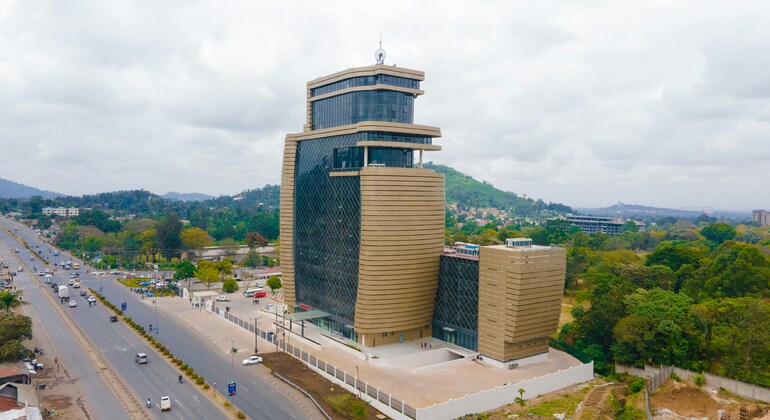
pixel 686 400
pixel 312 382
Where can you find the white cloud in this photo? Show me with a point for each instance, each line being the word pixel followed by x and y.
pixel 656 102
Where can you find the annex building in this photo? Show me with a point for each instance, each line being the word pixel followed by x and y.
pixel 362 231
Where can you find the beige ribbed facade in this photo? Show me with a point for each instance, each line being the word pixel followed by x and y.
pixel 402 236
pixel 287 221
pixel 520 290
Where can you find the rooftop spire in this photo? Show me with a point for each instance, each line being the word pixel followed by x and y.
pixel 380 55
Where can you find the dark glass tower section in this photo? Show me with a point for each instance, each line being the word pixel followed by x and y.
pixel 327 209
pixel 456 315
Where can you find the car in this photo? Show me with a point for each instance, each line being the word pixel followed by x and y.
pixel 91 299
pixel 31 258
pixel 40 273
pixel 71 282
pixel 114 272
pixel 165 403
pixel 98 273
pixel 113 318
pixel 140 358
pixel 223 298
pixel 72 275
pixel 73 304
pixel 253 360
pixel 83 293
pixel 270 307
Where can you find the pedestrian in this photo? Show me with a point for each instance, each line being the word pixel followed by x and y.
pixel 430 345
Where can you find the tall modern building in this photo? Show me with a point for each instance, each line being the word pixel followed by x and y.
pixel 362 232
pixel 362 222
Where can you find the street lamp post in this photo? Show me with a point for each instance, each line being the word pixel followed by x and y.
pixel 256 334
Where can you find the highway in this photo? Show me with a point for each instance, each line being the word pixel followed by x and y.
pixel 256 398
pixel 115 341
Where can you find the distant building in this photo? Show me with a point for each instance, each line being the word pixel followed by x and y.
pixel 61 211
pixel 761 216
pixel 601 224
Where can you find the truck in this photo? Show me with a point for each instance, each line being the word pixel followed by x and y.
pixel 165 403
pixel 64 293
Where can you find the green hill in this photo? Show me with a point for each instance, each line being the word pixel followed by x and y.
pixel 466 192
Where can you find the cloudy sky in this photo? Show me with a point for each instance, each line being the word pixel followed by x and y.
pixel 587 103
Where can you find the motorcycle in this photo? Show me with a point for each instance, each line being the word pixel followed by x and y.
pixel 149 403
pixel 180 379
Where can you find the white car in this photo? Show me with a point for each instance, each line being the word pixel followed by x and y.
pixel 270 307
pixel 114 272
pixel 98 273
pixel 165 403
pixel 91 299
pixel 253 360
pixel 73 304
pixel 223 298
pixel 71 282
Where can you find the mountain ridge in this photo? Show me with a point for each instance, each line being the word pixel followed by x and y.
pixel 11 189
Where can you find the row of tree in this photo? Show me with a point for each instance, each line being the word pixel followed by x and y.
pixel 699 303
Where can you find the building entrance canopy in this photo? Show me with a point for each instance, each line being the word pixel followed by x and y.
pixel 314 314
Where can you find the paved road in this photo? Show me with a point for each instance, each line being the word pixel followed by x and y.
pixel 101 403
pixel 117 342
pixel 255 397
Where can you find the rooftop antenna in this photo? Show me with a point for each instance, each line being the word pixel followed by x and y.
pixel 380 55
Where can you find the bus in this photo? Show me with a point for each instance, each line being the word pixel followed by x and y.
pixel 75 266
pixel 255 293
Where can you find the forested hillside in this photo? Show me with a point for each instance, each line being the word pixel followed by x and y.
pixel 467 192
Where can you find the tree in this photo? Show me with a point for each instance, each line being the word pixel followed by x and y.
pixel 184 270
pixel 274 283
pixel 15 327
pixel 9 300
pixel 718 232
pixel 252 260
pixel 254 239
pixel 167 235
pixel 229 286
pixel 675 254
pixel 208 275
pixel 194 239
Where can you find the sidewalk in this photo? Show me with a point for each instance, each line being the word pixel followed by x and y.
pixel 394 369
pixel 216 333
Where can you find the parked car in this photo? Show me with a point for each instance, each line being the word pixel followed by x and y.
pixel 270 307
pixel 83 293
pixel 222 298
pixel 113 318
pixel 91 299
pixel 253 360
pixel 73 303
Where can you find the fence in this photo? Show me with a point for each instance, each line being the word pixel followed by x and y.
pixel 743 389
pixel 475 403
pixel 363 388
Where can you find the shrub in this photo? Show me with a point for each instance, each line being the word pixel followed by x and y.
pixel 183 367
pixel 347 404
pixel 699 380
pixel 229 286
pixel 189 371
pixel 199 381
pixel 194 376
pixel 206 386
pixel 240 415
pixel 178 362
pixel 636 385
pixel 173 360
pixel 127 320
pixel 166 352
pixel 227 404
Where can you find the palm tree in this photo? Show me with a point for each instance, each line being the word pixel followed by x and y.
pixel 9 300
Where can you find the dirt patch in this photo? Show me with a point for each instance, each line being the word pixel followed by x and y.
pixel 687 400
pixel 313 383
